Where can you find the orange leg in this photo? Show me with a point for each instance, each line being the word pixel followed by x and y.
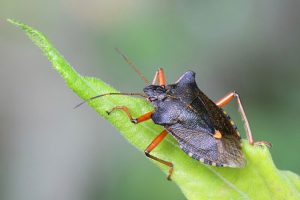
pixel 225 100
pixel 154 144
pixel 160 77
pixel 140 119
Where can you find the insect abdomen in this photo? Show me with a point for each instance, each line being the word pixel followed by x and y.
pixel 203 160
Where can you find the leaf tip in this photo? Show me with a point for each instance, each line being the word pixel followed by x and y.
pixel 15 22
pixel 21 25
pixel 18 24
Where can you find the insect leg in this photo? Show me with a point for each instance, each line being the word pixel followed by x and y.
pixel 152 145
pixel 225 100
pixel 155 78
pixel 140 119
pixel 160 77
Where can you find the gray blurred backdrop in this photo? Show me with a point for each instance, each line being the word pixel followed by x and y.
pixel 50 151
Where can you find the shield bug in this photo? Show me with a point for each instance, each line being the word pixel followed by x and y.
pixel 202 128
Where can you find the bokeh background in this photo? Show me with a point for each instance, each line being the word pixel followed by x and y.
pixel 50 151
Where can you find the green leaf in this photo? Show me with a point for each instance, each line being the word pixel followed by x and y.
pixel 260 179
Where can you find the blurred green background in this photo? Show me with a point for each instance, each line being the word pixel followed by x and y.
pixel 50 151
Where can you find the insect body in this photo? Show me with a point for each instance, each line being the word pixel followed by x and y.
pixel 203 130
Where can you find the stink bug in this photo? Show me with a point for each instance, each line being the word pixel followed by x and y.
pixel 203 130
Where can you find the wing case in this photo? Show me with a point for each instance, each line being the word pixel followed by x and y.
pixel 193 119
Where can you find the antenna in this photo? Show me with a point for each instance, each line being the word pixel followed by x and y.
pixel 107 94
pixel 133 66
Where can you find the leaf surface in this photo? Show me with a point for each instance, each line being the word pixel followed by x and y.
pixel 260 179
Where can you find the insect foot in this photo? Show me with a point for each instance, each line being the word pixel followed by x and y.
pixel 263 143
pixel 170 173
pixel 108 112
pixel 135 121
pixel 169 164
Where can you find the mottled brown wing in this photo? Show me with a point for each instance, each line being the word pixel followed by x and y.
pixel 207 149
